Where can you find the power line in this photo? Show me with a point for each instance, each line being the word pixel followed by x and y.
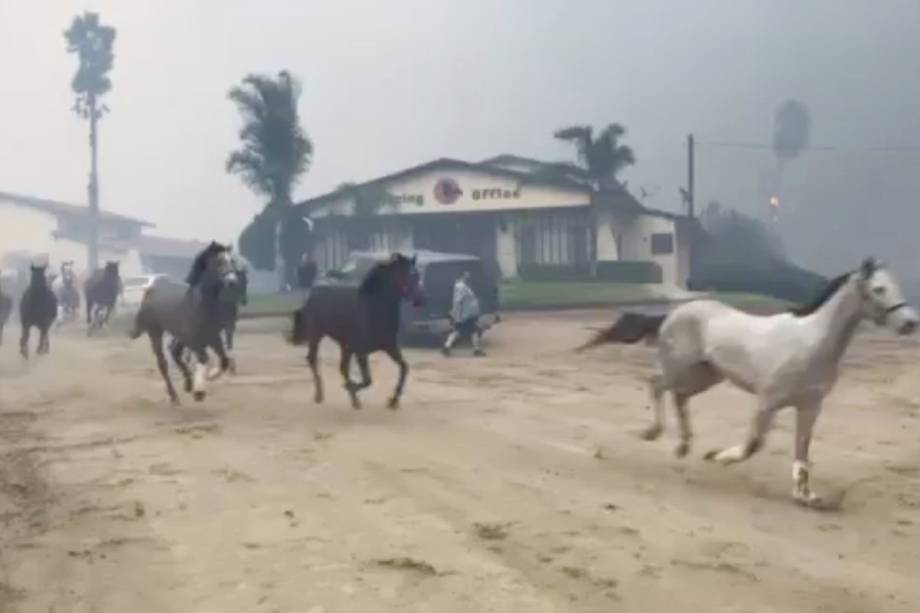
pixel 764 147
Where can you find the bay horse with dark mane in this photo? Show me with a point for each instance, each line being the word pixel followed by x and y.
pixel 37 308
pixel 191 314
pixel 101 291
pixel 362 319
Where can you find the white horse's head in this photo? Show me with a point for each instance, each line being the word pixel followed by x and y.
pixel 883 299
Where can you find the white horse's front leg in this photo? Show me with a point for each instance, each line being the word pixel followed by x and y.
pixel 804 427
pixel 763 419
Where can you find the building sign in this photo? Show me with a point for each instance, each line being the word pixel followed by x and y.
pixel 397 199
pixel 496 194
pixel 446 191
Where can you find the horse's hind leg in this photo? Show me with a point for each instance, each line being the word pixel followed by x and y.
pixel 24 342
pixel 396 355
pixel 176 350
pixel 657 388
pixel 156 343
pixel 313 361
pixel 760 425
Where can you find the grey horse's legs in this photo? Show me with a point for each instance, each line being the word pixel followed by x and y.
pixel 176 349
pixel 806 415
pixel 156 343
pixel 760 426
pixel 657 388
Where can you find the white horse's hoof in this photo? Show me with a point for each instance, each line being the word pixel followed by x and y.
pixel 214 373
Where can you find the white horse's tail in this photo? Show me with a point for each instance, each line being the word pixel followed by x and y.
pixel 629 329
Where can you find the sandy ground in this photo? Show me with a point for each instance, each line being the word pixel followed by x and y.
pixel 510 483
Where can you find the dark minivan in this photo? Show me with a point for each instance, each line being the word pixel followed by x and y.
pixel 438 272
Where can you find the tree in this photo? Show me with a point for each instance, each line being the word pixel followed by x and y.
pixel 367 199
pixel 275 151
pixel 92 42
pixel 600 159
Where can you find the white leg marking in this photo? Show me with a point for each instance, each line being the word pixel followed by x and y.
pixel 201 370
pixel 731 455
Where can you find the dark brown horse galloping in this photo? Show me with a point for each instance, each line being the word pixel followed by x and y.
pixel 37 307
pixel 362 320
pixel 101 291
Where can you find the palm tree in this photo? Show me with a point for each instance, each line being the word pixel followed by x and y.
pixel 92 42
pixel 275 151
pixel 600 158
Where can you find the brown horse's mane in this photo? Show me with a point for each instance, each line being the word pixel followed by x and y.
pixel 371 281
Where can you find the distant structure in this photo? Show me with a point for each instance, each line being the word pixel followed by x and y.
pixel 55 232
pixel 511 212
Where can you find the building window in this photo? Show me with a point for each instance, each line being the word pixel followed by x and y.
pixel 662 244
pixel 553 240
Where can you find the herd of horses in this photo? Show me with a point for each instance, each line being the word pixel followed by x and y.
pixel 789 359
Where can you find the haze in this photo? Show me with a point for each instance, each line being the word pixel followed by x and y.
pixel 390 85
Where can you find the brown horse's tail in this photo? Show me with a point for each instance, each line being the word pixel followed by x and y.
pixel 629 329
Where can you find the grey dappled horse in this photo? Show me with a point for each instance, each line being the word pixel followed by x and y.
pixel 191 314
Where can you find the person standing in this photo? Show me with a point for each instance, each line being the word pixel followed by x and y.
pixel 465 315
pixel 306 273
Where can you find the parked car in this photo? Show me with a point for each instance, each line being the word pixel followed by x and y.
pixel 135 287
pixel 437 274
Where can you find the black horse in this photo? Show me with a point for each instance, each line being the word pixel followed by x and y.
pixel 101 291
pixel 191 314
pixel 6 308
pixel 362 320
pixel 37 307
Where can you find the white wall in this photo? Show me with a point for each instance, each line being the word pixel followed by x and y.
pixel 645 226
pixel 24 229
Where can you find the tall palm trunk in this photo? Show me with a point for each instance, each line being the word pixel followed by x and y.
pixel 279 256
pixel 93 189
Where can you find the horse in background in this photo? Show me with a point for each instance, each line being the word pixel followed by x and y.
pixel 788 359
pixel 362 320
pixel 68 294
pixel 37 308
pixel 101 291
pixel 6 309
pixel 191 314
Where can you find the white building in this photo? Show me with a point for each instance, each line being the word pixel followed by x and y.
pixel 504 212
pixel 35 227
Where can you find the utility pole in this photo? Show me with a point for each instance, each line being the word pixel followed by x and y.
pixel 690 195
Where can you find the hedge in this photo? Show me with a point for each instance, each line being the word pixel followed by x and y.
pixel 607 271
pixel 776 279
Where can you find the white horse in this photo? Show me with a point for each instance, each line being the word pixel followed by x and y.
pixel 789 359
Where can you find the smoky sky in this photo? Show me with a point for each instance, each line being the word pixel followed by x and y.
pixel 387 85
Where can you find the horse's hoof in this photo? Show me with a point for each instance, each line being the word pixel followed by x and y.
pixel 356 404
pixel 682 450
pixel 189 387
pixel 651 433
pixel 393 404
pixel 711 455
pixel 318 399
pixel 174 401
pixel 198 396
pixel 214 373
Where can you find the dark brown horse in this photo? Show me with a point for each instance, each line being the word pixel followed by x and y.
pixel 191 314
pixel 6 308
pixel 37 308
pixel 362 319
pixel 101 291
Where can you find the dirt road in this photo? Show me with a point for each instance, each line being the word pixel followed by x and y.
pixel 510 483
